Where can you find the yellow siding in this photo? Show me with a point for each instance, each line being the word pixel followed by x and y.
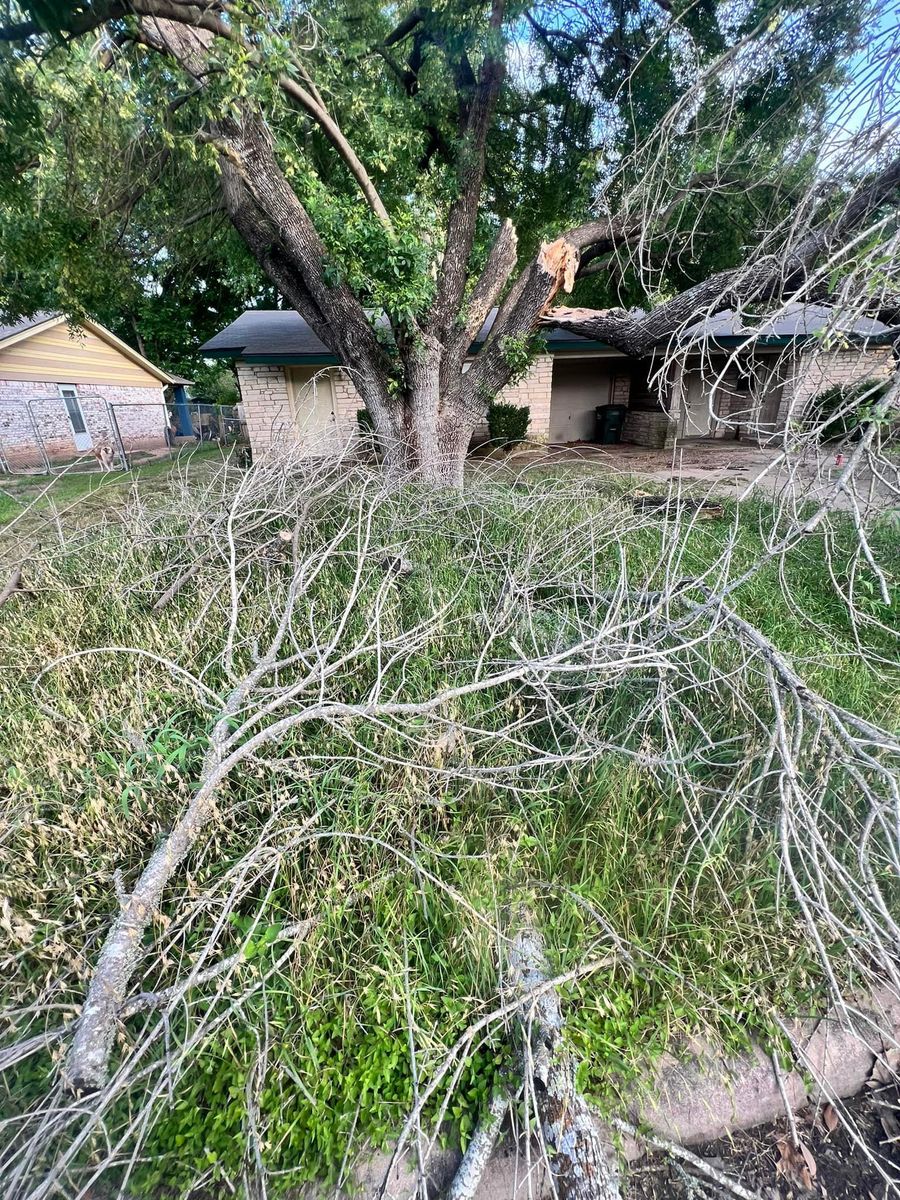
pixel 57 356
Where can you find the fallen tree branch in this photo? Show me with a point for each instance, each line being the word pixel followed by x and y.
pixel 150 1001
pixel 172 591
pixel 466 1181
pixel 636 333
pixel 693 1160
pixel 583 1168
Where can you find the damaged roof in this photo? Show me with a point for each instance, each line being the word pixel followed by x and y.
pixel 262 334
pixel 794 320
pixel 282 336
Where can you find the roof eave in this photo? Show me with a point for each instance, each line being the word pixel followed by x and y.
pixel 22 334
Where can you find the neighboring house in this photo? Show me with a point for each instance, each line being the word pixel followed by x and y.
pixel 65 390
pixel 731 383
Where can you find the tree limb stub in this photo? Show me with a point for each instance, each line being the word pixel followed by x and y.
pixel 583 1168
pixel 559 260
pixel 519 316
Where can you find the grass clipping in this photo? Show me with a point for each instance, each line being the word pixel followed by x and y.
pixel 262 838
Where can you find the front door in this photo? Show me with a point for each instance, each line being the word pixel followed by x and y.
pixel 768 398
pixel 695 419
pixel 313 404
pixel 80 433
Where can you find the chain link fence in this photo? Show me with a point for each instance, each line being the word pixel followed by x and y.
pixel 87 432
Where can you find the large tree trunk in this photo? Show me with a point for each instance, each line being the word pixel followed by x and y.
pixel 439 431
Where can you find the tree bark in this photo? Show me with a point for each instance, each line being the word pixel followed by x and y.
pixel 582 1167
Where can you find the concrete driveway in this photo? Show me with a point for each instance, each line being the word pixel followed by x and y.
pixel 738 469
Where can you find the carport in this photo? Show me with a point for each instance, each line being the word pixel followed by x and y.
pixel 579 386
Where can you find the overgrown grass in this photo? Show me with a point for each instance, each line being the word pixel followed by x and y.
pixel 9 507
pixel 408 874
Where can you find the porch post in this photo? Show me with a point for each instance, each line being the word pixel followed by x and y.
pixel 676 402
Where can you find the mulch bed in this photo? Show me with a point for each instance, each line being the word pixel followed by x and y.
pixel 842 1171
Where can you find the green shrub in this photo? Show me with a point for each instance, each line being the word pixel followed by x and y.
pixel 508 423
pixel 367 433
pixel 843 409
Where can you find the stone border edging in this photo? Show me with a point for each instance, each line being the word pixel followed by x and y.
pixel 698 1099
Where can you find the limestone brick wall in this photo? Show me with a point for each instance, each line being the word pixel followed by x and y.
pixel 347 403
pixel 813 372
pixel 621 389
pixel 533 391
pixel 645 428
pixel 267 405
pixel 139 412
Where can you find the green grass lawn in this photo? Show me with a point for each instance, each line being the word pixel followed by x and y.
pixel 715 943
pixel 71 485
pixel 35 507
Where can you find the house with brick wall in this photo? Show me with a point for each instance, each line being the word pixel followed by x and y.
pixel 66 390
pixel 728 379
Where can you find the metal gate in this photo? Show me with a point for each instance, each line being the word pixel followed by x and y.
pixel 68 432
pixel 84 432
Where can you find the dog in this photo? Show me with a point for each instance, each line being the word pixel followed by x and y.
pixel 105 456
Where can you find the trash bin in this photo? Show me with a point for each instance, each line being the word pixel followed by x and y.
pixel 610 419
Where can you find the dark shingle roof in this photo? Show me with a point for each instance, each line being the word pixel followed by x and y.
pixel 794 320
pixel 283 334
pixel 7 330
pixel 265 331
pixel 276 332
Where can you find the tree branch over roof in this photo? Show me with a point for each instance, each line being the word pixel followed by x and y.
pixel 769 276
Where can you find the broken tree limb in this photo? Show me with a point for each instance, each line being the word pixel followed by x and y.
pixel 468 1175
pixel 87 1065
pixel 172 591
pixel 583 1168
pixel 12 585
pixel 771 276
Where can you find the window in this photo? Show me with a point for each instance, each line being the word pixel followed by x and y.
pixel 69 393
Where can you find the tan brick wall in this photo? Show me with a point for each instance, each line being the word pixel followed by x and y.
pixel 533 391
pixel 267 405
pixel 621 389
pixel 645 428
pixel 805 374
pixel 814 372
pixel 347 404
pixel 264 392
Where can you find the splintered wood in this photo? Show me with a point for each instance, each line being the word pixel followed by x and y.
pixel 560 260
